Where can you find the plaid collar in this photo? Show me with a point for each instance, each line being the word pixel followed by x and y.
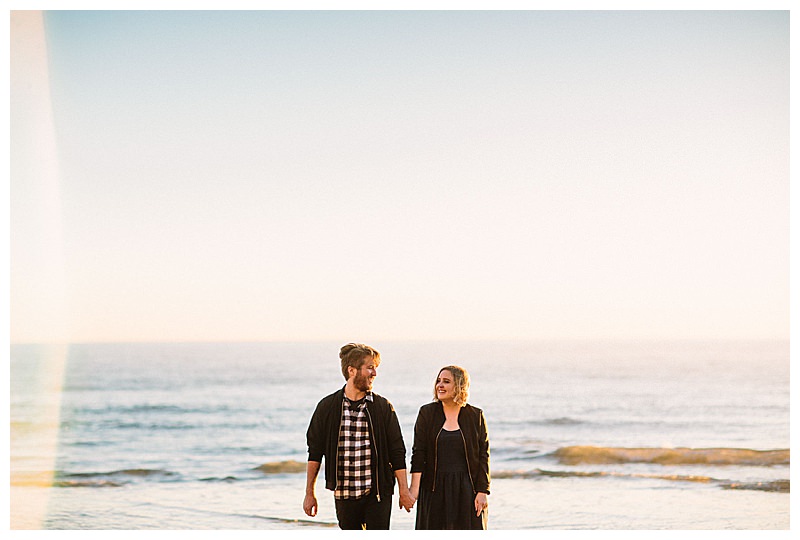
pixel 368 397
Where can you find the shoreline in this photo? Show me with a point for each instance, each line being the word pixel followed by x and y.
pixel 274 503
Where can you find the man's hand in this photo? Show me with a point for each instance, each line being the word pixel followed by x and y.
pixel 310 502
pixel 310 505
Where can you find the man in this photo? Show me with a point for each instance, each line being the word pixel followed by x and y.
pixel 358 434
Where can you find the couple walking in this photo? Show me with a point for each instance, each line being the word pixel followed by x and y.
pixel 357 433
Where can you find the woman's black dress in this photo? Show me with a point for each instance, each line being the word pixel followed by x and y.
pixel 451 504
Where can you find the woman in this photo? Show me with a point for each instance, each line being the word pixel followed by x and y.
pixel 450 458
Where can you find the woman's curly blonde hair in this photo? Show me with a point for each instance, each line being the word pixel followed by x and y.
pixel 461 381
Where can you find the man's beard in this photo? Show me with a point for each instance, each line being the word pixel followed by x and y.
pixel 362 383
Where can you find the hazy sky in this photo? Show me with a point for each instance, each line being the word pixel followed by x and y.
pixel 390 175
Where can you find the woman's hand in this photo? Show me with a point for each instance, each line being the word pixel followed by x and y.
pixel 480 503
pixel 414 488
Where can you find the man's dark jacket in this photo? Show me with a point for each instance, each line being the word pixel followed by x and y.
pixel 388 449
pixel 430 421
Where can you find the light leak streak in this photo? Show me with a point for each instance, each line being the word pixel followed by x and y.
pixel 36 236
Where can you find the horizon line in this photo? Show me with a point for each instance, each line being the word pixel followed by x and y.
pixel 786 339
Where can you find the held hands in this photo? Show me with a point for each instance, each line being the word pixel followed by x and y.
pixel 407 499
pixel 480 503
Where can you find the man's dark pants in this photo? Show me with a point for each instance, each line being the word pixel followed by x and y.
pixel 364 513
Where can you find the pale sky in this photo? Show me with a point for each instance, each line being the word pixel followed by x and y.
pixel 194 176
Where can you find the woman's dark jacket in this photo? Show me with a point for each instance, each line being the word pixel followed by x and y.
pixel 473 427
pixel 388 449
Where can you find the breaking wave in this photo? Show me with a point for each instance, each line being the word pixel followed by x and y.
pixel 127 476
pixel 282 467
pixel 576 455
pixel 110 479
pixel 778 486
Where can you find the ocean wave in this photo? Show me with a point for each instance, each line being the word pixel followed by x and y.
pixel 86 483
pixel 778 486
pixel 170 423
pixel 110 478
pixel 558 421
pixel 562 421
pixel 227 479
pixel 148 407
pixel 575 455
pixel 147 410
pixel 282 467
pixel 137 409
pixel 121 472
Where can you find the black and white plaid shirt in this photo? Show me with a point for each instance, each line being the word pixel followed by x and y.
pixel 354 469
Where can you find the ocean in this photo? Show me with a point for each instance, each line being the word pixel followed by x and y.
pixel 584 435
